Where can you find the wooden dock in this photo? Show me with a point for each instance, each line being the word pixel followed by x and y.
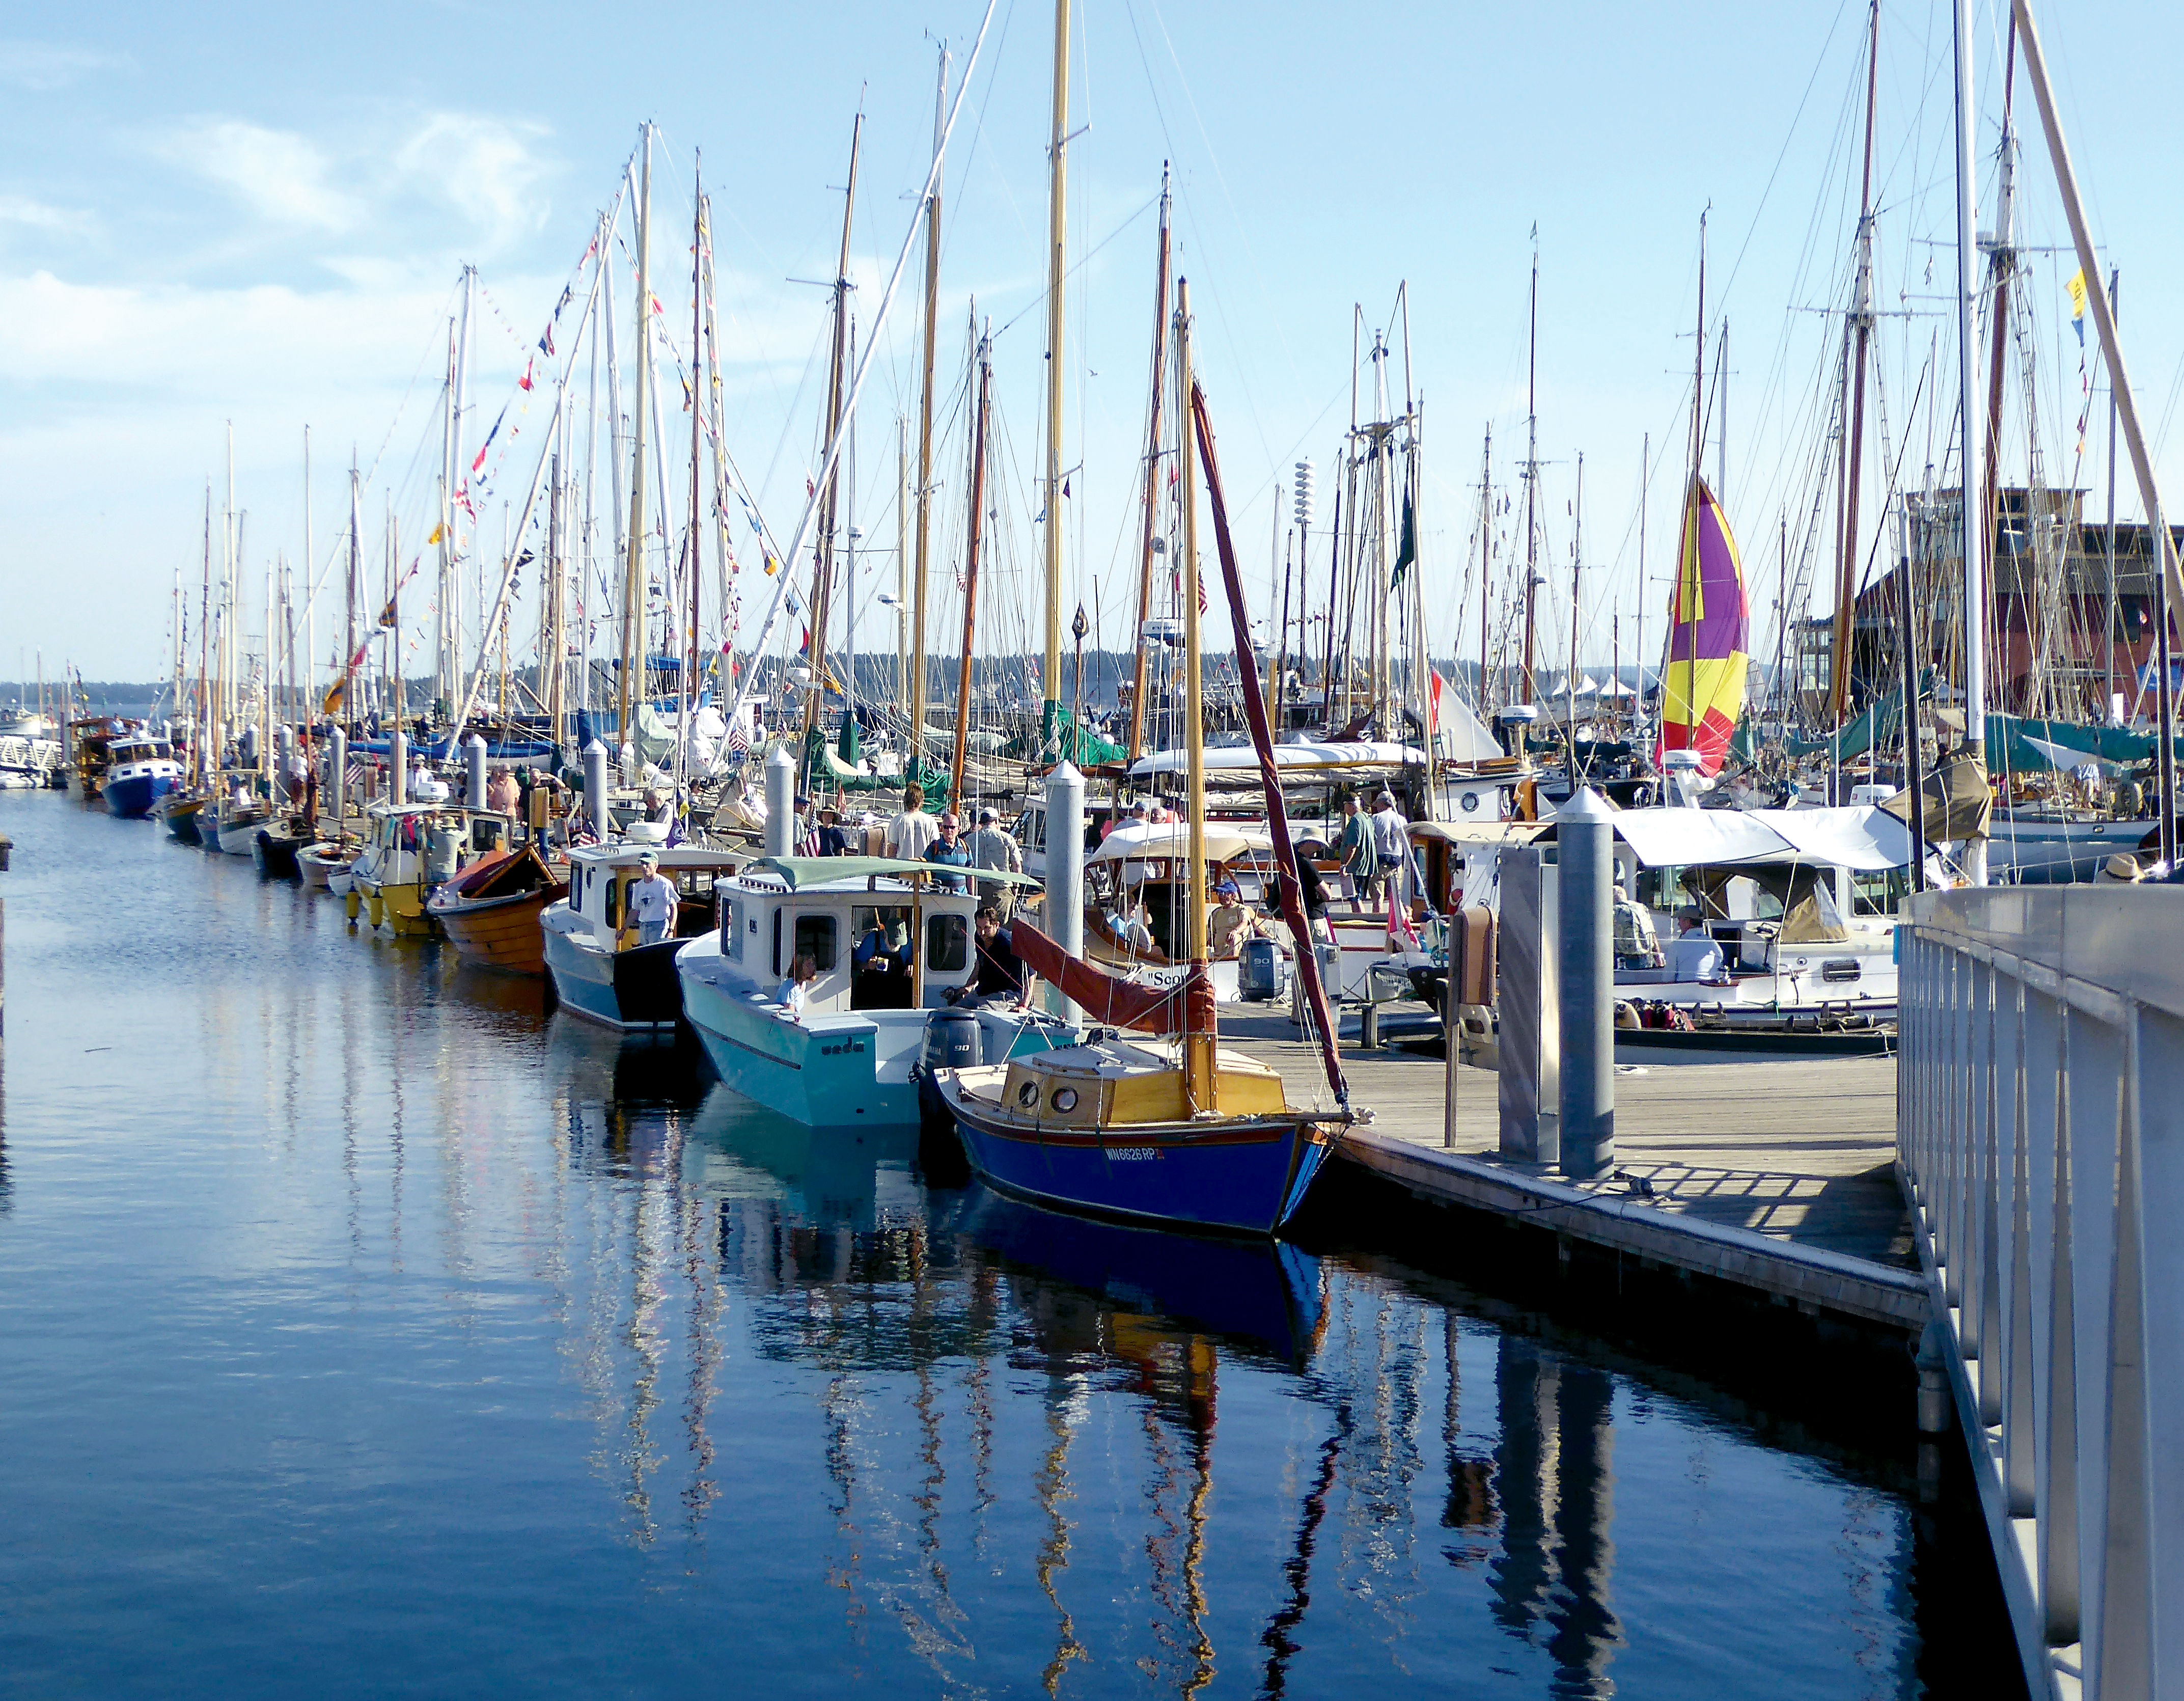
pixel 1776 1176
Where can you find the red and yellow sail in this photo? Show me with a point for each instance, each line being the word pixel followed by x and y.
pixel 1710 623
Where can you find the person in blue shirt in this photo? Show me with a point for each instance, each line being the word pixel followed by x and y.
pixel 948 850
pixel 885 949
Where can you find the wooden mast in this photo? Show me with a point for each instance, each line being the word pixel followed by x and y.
pixel 1199 1077
pixel 1057 199
pixel 1862 331
pixel 971 559
pixel 824 553
pixel 697 442
pixel 1532 481
pixel 915 749
pixel 1137 744
pixel 2002 265
pixel 632 588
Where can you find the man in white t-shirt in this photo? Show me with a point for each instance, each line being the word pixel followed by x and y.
pixel 652 901
pixel 910 835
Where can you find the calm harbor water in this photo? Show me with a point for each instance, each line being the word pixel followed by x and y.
pixel 366 1330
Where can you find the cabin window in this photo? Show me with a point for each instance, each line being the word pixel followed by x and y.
pixel 576 887
pixel 1031 831
pixel 777 941
pixel 814 939
pixel 947 944
pixel 1877 891
pixel 614 903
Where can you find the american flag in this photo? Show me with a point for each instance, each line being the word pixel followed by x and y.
pixel 353 777
pixel 739 734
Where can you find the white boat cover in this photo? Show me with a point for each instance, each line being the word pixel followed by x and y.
pixel 1173 839
pixel 1299 758
pixel 1860 838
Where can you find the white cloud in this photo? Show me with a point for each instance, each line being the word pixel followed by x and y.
pixel 21 210
pixel 483 167
pixel 276 174
pixel 41 67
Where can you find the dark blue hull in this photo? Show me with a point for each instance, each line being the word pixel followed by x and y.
pixel 1246 1177
pixel 134 798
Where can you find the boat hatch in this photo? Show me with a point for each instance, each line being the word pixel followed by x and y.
pixel 1838 969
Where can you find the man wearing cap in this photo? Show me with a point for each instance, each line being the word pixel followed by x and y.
pixel 993 847
pixel 651 902
pixel 1696 956
pixel 1229 922
pixel 948 851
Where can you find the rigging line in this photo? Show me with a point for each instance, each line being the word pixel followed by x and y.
pixel 1070 275
pixel 1842 7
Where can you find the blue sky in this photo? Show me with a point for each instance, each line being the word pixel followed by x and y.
pixel 259 214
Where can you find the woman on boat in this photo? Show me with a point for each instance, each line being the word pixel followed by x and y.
pixel 791 997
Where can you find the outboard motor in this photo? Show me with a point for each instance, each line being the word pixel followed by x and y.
pixel 1261 972
pixel 951 1039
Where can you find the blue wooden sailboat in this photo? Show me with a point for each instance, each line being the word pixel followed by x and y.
pixel 1170 1129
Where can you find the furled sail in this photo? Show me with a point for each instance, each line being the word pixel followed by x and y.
pixel 1185 1007
pixel 1710 617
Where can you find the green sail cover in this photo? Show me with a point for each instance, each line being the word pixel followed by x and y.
pixel 829 773
pixel 1055 725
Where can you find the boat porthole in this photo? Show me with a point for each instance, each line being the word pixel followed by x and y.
pixel 1471 803
pixel 1028 1095
pixel 1064 1100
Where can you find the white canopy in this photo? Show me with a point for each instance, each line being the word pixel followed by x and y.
pixel 1861 838
pixel 1290 759
pixel 1173 839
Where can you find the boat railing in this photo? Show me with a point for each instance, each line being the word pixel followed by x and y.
pixel 2040 1134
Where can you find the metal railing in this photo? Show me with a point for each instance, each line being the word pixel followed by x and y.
pixel 2040 1129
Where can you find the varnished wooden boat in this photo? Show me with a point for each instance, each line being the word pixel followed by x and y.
pixel 490 913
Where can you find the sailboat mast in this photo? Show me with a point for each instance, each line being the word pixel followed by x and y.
pixel 445 531
pixel 932 330
pixel 1861 319
pixel 1682 605
pixel 204 752
pixel 1532 481
pixel 1975 538
pixel 633 588
pixel 697 439
pixel 824 553
pixel 1486 557
pixel 2003 264
pixel 1057 197
pixel 1577 559
pixel 1152 482
pixel 971 558
pixel 1199 1091
pixel 311 597
pixel 355 590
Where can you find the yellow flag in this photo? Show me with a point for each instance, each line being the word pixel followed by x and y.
pixel 437 532
pixel 2077 289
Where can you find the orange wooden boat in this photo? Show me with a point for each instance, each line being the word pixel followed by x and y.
pixel 491 910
